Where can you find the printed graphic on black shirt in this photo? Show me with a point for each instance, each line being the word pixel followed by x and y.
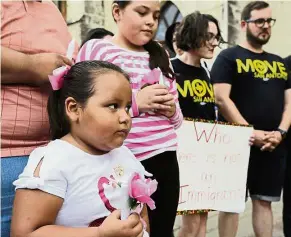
pixel 200 90
pixel 196 95
pixel 258 83
pixel 262 69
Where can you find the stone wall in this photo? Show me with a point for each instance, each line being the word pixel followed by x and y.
pixel 93 16
pixel 233 22
pixel 83 16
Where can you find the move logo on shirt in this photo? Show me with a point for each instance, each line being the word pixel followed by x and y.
pixel 263 69
pixel 200 90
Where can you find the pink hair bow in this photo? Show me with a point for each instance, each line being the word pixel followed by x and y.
pixel 57 78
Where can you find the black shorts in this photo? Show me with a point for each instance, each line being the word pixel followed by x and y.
pixel 266 174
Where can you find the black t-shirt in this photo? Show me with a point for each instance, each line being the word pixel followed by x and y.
pixel 258 81
pixel 288 65
pixel 288 62
pixel 196 96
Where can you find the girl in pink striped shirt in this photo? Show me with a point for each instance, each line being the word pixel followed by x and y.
pixel 155 109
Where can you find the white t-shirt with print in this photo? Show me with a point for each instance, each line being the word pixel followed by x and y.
pixel 92 186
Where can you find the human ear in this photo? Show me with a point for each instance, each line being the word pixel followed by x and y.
pixel 243 25
pixel 72 109
pixel 116 12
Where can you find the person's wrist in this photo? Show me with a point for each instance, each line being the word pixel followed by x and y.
pixel 99 231
pixel 282 133
pixel 138 104
pixel 278 135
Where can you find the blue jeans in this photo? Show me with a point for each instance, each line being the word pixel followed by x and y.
pixel 11 168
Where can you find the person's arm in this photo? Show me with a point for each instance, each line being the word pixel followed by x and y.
pixel 226 106
pixel 275 138
pixel 35 210
pixel 222 85
pixel 222 81
pixel 20 68
pixel 230 112
pixel 34 214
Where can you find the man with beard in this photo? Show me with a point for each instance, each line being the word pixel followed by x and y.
pixel 287 183
pixel 254 88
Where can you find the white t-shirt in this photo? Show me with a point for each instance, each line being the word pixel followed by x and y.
pixel 90 185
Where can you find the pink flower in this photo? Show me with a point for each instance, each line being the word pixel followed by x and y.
pixel 141 189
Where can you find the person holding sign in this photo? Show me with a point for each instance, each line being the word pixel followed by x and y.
pixel 254 88
pixel 198 36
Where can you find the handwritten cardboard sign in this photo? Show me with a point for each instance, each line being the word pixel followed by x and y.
pixel 213 160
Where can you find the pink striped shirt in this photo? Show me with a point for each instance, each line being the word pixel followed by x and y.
pixel 151 133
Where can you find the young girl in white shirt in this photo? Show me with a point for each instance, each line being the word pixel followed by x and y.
pixel 155 112
pixel 84 177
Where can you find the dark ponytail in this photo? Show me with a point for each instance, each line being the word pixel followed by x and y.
pixel 79 83
pixel 158 56
pixel 59 125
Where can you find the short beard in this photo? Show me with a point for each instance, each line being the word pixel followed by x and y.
pixel 256 41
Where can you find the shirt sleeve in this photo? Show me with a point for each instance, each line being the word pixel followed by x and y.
pixel 134 111
pixel 51 178
pixel 223 69
pixel 91 50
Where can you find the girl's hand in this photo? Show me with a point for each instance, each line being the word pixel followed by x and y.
pixel 114 227
pixel 168 112
pixel 154 97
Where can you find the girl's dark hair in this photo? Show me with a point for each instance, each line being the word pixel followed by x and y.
pixel 97 33
pixel 79 83
pixel 192 32
pixel 158 56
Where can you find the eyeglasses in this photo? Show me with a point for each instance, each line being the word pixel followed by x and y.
pixel 261 22
pixel 210 37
